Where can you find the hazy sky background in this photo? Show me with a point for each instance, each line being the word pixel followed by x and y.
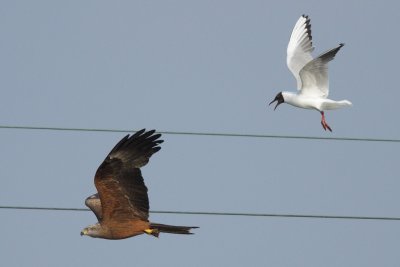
pixel 209 66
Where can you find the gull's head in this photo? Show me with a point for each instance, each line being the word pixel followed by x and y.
pixel 279 99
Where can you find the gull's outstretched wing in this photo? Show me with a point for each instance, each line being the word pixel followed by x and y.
pixel 299 48
pixel 314 75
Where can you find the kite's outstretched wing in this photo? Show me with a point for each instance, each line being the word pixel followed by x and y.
pixel 119 181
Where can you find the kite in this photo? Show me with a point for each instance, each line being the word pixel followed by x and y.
pixel 121 203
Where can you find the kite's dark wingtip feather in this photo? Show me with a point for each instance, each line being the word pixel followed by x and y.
pixel 120 143
pixel 140 132
pixel 140 138
pixel 150 132
pixel 156 149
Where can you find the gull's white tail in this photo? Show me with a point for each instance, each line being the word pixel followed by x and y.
pixel 330 104
pixel 345 103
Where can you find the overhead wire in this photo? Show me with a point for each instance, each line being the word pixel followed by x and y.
pixel 360 139
pixel 243 214
pixel 309 216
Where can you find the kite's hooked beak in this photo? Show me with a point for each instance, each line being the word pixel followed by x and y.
pixel 279 99
pixel 84 232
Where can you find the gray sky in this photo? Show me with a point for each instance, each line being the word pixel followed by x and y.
pixel 209 66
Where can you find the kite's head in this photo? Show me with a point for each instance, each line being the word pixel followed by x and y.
pixel 91 230
pixel 279 98
pixel 85 231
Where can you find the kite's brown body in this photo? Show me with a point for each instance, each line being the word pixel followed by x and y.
pixel 121 204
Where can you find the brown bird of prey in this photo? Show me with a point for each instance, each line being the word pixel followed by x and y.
pixel 121 204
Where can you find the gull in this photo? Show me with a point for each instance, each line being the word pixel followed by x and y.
pixel 311 73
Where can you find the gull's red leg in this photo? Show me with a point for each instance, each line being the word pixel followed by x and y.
pixel 323 122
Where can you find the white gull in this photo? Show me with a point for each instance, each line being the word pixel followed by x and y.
pixel 311 73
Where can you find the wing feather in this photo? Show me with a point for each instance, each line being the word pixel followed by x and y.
pixel 119 181
pixel 314 75
pixel 299 48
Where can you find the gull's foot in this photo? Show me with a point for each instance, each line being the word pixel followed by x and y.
pixel 323 122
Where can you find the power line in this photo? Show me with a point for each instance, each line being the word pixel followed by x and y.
pixel 308 216
pixel 205 134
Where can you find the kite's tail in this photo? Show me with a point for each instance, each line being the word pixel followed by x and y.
pixel 158 228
